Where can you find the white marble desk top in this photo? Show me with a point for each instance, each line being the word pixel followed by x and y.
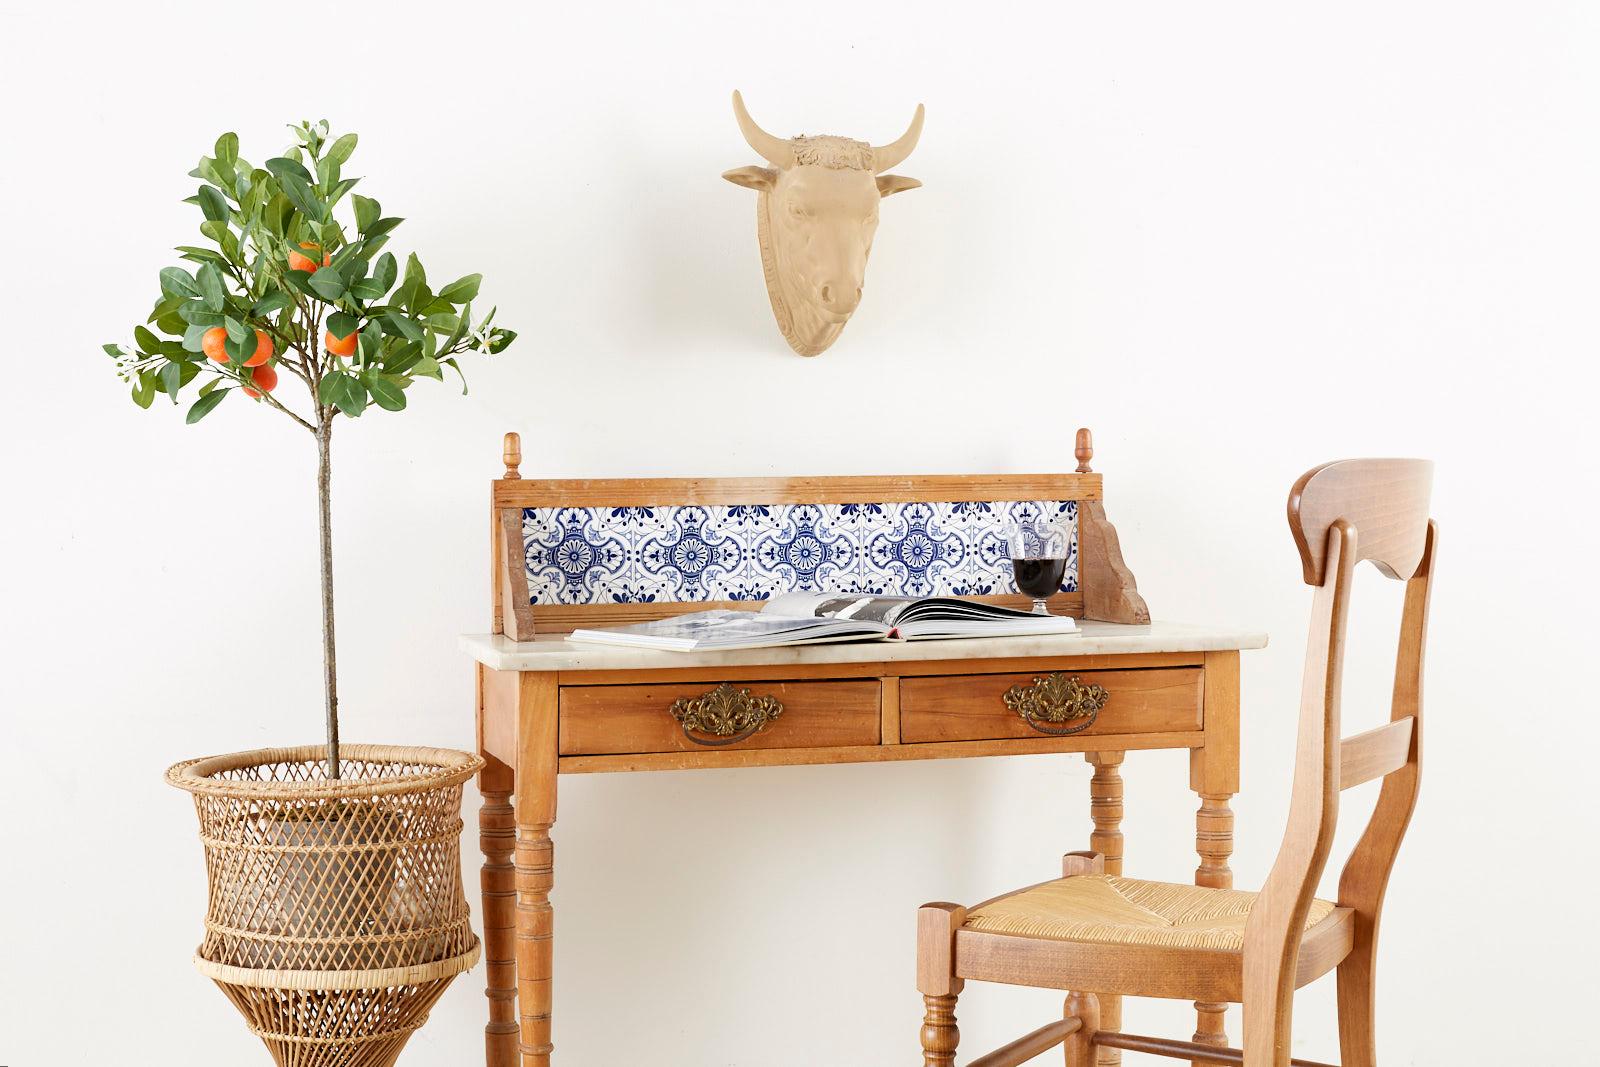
pixel 553 652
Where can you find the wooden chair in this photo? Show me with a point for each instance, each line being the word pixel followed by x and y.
pixel 1106 936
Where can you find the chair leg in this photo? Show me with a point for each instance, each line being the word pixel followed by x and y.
pixel 936 980
pixel 940 1035
pixel 1079 1046
pixel 1358 1042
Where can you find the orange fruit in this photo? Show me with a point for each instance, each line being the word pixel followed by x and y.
pixel 211 344
pixel 264 378
pixel 306 263
pixel 263 350
pixel 341 346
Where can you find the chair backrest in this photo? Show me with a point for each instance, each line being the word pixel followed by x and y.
pixel 1342 513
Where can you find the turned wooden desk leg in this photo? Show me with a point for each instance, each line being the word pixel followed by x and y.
pixel 1105 808
pixel 1214 775
pixel 497 834
pixel 535 863
pixel 1213 839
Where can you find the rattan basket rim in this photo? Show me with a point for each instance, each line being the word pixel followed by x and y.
pixel 449 767
pixel 382 978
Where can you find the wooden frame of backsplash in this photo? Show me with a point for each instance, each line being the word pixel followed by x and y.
pixel 1106 587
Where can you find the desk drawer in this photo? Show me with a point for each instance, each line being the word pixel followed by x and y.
pixel 704 717
pixel 975 707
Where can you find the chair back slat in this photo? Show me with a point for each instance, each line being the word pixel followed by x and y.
pixel 1375 754
pixel 1385 500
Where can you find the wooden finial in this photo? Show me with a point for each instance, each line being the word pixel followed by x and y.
pixel 513 456
pixel 1085 450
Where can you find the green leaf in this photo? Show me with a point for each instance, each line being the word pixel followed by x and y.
pixel 403 327
pixel 402 358
pixel 211 386
pixel 386 392
pixel 367 289
pixel 328 389
pixel 354 401
pixel 382 227
pixel 336 193
pixel 428 367
pixel 414 272
pixel 298 279
pixel 344 392
pixel 170 377
pixel 384 271
pixel 195 313
pixel 340 150
pixel 196 254
pixel 277 214
pixel 205 406
pixel 273 301
pixel 194 336
pixel 212 203
pixel 342 324
pixel 304 200
pixel 211 290
pixel 462 290
pixel 236 329
pixel 218 232
pixel 227 148
pixel 371 345
pixel 243 349
pixel 149 343
pixel 166 309
pixel 501 340
pixel 175 281
pixel 144 390
pixel 453 365
pixel 281 166
pixel 114 351
pixel 327 173
pixel 327 284
pixel 460 330
pixel 367 211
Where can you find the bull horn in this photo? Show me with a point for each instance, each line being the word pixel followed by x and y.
pixel 891 155
pixel 774 150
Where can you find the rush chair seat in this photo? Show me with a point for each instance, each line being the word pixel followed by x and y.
pixel 1099 935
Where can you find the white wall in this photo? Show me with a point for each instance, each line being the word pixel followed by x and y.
pixel 1234 239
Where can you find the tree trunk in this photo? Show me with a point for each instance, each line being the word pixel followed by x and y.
pixel 330 677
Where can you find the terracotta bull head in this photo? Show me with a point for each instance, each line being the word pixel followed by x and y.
pixel 815 220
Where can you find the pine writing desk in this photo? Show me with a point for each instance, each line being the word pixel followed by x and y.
pixel 595 552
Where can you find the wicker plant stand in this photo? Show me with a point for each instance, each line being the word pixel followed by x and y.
pixel 336 916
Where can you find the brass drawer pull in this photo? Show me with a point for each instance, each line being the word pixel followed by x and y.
pixel 1057 701
pixel 730 715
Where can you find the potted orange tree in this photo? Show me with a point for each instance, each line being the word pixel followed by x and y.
pixel 336 915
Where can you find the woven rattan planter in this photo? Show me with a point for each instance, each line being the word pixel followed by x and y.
pixel 336 916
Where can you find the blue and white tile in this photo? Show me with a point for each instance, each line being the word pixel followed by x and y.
pixel 691 553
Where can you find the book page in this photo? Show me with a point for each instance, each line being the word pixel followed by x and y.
pixel 853 606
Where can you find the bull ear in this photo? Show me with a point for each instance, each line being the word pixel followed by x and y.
pixel 889 184
pixel 759 178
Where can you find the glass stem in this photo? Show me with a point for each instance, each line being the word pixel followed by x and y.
pixel 1039 606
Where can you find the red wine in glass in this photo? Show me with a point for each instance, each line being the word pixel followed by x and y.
pixel 1038 560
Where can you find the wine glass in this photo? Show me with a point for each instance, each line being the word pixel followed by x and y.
pixel 1038 559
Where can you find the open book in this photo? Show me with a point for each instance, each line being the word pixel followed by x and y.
pixel 813 618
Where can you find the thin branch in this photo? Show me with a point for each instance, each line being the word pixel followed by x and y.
pixel 273 401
